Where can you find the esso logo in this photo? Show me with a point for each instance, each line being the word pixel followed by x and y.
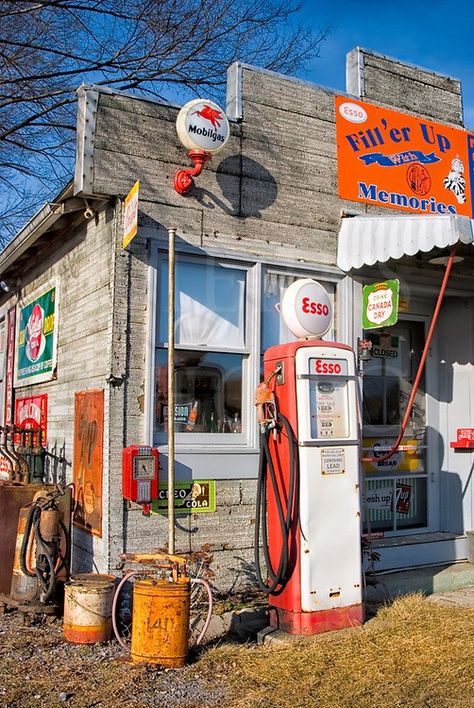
pixel 327 367
pixel 315 308
pixel 352 112
pixel 307 309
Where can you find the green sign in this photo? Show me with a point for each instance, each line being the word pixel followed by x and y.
pixel 36 339
pixel 380 304
pixel 191 497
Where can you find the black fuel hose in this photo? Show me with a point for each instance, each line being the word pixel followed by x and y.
pixel 278 577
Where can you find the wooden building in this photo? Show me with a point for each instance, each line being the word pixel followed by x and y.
pixel 265 211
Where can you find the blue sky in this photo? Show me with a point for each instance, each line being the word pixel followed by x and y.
pixel 435 35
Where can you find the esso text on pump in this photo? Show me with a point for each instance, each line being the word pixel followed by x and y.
pixel 327 367
pixel 306 309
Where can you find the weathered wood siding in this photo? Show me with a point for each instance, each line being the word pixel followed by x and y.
pixel 271 193
pixel 405 87
pixel 80 261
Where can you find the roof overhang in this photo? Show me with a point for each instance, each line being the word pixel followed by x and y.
pixel 366 240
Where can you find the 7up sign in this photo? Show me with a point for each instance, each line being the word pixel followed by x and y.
pixel 380 304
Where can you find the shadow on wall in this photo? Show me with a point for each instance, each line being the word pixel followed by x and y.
pixel 452 485
pixel 82 550
pixel 246 185
pixel 56 464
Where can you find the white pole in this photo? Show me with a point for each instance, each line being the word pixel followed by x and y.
pixel 171 428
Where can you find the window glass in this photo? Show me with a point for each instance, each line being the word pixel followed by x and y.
pixel 394 501
pixel 208 392
pixel 407 496
pixel 209 304
pixel 274 330
pixel 389 374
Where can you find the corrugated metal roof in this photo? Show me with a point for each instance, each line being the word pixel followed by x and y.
pixel 365 240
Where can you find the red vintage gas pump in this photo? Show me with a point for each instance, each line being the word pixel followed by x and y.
pixel 309 473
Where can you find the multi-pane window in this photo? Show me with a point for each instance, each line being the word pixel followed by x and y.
pixel 210 347
pixel 226 315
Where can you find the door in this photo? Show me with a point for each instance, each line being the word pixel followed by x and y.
pixel 396 490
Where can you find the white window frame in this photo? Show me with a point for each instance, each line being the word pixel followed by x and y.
pixel 213 443
pixel 204 441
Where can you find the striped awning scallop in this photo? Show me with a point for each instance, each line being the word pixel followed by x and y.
pixel 365 240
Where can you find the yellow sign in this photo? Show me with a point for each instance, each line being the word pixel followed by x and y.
pixel 130 215
pixel 408 457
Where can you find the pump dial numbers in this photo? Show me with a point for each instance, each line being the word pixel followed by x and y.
pixel 143 467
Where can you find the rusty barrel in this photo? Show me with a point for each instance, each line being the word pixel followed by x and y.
pixel 24 588
pixel 88 601
pixel 160 622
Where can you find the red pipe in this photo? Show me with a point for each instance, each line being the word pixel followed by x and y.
pixel 421 365
pixel 183 179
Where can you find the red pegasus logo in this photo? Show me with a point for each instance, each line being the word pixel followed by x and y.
pixel 211 115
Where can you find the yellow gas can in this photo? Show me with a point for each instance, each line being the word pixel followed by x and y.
pixel 160 622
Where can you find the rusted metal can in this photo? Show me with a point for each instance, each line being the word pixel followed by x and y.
pixel 160 622
pixel 24 588
pixel 88 608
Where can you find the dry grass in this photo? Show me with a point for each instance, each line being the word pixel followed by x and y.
pixel 413 653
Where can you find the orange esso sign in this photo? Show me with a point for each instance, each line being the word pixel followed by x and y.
pixel 307 309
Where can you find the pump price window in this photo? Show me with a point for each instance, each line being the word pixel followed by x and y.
pixel 328 397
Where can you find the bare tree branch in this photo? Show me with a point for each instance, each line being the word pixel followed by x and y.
pixel 156 47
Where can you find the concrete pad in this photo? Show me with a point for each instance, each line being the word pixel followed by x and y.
pixel 427 580
pixel 461 598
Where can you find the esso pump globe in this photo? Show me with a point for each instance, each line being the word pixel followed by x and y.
pixel 306 309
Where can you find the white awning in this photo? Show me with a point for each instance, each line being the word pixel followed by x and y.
pixel 365 240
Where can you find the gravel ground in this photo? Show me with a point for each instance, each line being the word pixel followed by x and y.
pixel 38 668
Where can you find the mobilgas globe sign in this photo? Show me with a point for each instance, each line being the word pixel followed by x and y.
pixel 202 125
pixel 307 309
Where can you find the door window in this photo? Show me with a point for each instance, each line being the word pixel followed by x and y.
pixel 395 489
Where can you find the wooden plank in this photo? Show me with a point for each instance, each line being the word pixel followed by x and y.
pixel 290 166
pixel 286 94
pixel 144 136
pixel 274 128
pixel 412 90
pixel 270 239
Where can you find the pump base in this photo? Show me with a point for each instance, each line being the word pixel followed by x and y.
pixel 308 623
